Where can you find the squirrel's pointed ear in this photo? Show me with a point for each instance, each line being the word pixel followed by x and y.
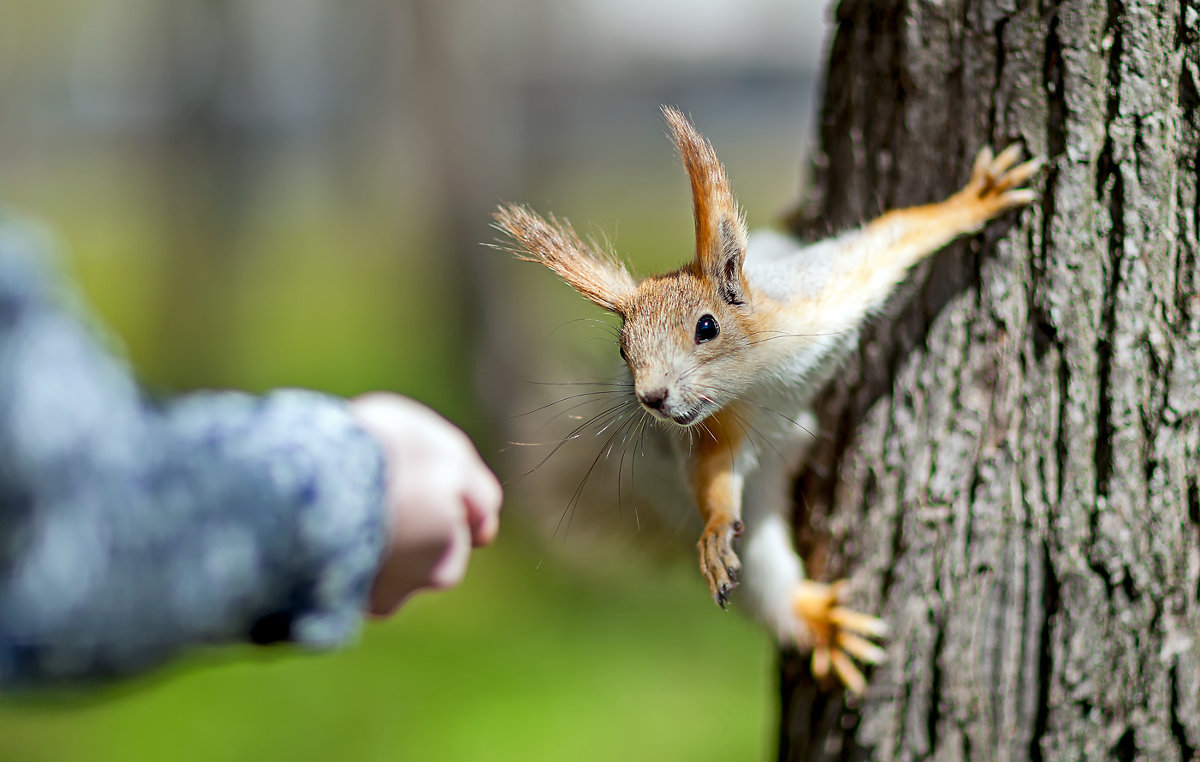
pixel 591 272
pixel 720 226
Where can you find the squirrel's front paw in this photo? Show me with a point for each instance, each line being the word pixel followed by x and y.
pixel 718 563
pixel 837 633
pixel 995 183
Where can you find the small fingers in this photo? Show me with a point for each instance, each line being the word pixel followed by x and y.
pixel 1022 197
pixel 450 569
pixel 483 499
pixel 721 583
pixel 1004 160
pixel 995 176
pixel 849 674
pixel 717 587
pixel 820 662
pixel 857 622
pixel 720 594
pixel 983 160
pixel 1019 174
pixel 837 633
pixel 860 648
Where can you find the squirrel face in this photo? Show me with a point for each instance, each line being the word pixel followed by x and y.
pixel 684 345
pixel 684 334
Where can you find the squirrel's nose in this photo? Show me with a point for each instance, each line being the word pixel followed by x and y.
pixel 653 399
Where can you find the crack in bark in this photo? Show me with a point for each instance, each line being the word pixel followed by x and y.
pixel 1183 33
pixel 897 545
pixel 1060 442
pixel 897 549
pixel 1189 104
pixel 1193 512
pixel 997 71
pixel 902 711
pixel 1193 501
pixel 899 69
pixel 1108 176
pixel 1125 749
pixel 1045 665
pixel 934 715
pixel 1110 179
pixel 1053 82
pixel 1045 335
pixel 957 86
pixel 1179 732
pixel 1154 418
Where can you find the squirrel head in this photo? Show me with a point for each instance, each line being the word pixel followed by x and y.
pixel 684 334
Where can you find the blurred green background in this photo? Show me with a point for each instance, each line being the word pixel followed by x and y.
pixel 263 193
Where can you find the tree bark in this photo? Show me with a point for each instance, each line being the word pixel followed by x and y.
pixel 1010 468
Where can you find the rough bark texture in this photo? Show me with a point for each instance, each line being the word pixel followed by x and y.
pixel 1011 471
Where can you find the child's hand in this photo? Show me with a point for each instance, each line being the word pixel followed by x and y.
pixel 441 498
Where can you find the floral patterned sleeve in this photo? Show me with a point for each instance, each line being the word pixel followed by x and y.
pixel 130 530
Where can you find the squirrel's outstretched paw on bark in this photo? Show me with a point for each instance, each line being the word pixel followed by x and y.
pixel 837 634
pixel 996 183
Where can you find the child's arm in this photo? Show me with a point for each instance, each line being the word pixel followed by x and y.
pixel 131 530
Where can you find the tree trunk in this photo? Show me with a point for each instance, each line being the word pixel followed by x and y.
pixel 1009 474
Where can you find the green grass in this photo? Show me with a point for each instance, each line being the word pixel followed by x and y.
pixel 525 661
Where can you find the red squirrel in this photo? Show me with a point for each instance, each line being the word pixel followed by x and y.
pixel 723 354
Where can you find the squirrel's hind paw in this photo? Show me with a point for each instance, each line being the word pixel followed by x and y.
pixel 837 634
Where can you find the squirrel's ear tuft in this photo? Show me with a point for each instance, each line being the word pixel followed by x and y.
pixel 584 266
pixel 720 226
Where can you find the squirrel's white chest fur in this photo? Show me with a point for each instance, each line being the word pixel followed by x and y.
pixel 800 358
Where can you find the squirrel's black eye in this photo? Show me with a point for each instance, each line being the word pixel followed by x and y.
pixel 707 329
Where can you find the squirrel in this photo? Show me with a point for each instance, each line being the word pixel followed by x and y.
pixel 732 347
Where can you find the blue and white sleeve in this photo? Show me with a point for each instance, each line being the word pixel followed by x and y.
pixel 130 530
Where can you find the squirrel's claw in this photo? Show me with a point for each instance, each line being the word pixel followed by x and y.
pixel 995 184
pixel 1018 175
pixel 718 563
pixel 837 634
